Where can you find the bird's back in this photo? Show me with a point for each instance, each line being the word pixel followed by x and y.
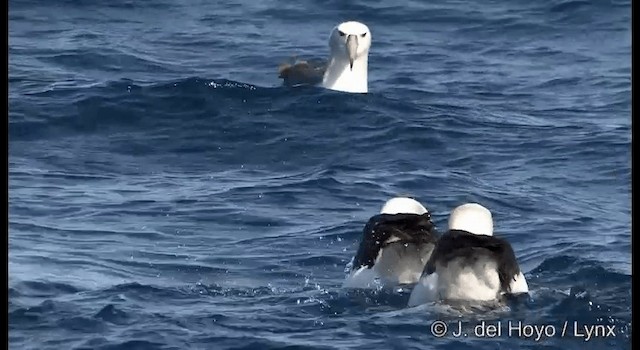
pixel 305 72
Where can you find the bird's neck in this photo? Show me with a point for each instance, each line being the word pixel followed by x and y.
pixel 340 77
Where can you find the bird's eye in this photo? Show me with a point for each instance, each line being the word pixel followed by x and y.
pixel 341 33
pixel 363 35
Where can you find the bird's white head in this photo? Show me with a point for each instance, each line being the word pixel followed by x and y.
pixel 347 70
pixel 351 41
pixel 473 218
pixel 403 205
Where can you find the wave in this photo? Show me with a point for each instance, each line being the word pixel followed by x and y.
pixel 563 288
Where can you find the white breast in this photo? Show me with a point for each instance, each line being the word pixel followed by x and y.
pixel 340 77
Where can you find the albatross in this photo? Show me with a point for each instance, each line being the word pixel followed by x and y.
pixel 345 70
pixel 469 262
pixel 395 245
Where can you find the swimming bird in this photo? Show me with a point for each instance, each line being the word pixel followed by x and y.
pixel 395 245
pixel 346 69
pixel 469 262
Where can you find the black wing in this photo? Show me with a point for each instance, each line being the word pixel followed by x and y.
pixel 302 72
pixel 410 228
pixel 461 244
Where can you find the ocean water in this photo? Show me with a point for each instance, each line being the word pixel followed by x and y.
pixel 167 192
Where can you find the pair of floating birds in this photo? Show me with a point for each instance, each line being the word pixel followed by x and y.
pixel 400 245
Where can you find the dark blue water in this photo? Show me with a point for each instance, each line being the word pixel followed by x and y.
pixel 166 192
